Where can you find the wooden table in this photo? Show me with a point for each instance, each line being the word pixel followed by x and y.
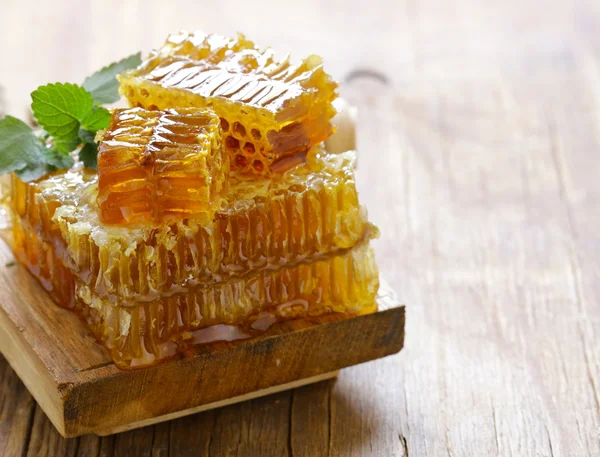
pixel 480 161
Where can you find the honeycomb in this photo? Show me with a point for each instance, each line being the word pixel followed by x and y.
pixel 144 333
pixel 270 110
pixel 215 211
pixel 309 211
pixel 43 263
pixel 154 165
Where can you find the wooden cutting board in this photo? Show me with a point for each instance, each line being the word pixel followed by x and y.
pixel 82 391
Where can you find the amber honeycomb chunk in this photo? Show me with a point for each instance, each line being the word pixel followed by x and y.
pixel 43 262
pixel 270 109
pixel 152 165
pixel 142 333
pixel 309 211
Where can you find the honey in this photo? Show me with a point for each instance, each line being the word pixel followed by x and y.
pixel 154 165
pixel 141 333
pixel 309 211
pixel 215 211
pixel 270 109
pixel 43 263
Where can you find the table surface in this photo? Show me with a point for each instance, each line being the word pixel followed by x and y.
pixel 479 140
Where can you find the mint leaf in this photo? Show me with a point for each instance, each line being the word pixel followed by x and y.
pixel 20 150
pixel 33 171
pixel 86 136
pixel 69 115
pixel 103 84
pixel 59 108
pixel 97 119
pixel 89 155
pixel 57 159
pixel 66 145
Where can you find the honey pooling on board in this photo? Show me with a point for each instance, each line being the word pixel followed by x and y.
pixel 272 112
pixel 311 210
pixel 153 165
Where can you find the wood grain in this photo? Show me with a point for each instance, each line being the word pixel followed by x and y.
pixel 479 140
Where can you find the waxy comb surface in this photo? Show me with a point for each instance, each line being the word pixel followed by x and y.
pixel 271 110
pixel 154 165
pixel 310 211
pixel 142 333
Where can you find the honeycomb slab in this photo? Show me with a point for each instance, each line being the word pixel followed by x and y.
pixel 312 210
pixel 155 165
pixel 142 333
pixel 272 111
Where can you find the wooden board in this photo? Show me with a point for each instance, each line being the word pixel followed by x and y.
pixel 82 391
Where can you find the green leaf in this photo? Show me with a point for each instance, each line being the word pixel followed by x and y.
pixel 86 136
pixel 59 108
pixel 89 155
pixel 57 159
pixel 32 171
pixel 97 119
pixel 103 84
pixel 64 146
pixel 20 150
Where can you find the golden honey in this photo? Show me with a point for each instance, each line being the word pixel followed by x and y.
pixel 271 110
pixel 215 211
pixel 43 262
pixel 141 333
pixel 153 165
pixel 309 211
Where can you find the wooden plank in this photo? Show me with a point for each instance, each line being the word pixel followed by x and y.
pixel 219 404
pixel 46 345
pixel 16 412
pixel 45 441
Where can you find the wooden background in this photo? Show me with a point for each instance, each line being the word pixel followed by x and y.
pixel 480 161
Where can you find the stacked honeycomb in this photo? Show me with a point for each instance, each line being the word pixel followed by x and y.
pixel 149 331
pixel 311 210
pixel 172 242
pixel 154 164
pixel 299 241
pixel 272 112
pixel 142 333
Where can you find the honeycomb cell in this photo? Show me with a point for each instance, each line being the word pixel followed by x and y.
pixel 153 165
pixel 286 107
